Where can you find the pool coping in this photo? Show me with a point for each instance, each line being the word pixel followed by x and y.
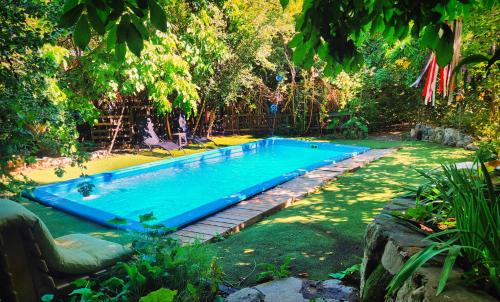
pixel 254 209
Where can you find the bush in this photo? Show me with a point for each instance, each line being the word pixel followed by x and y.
pixel 163 270
pixel 466 202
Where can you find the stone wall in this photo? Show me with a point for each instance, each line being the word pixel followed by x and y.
pixel 388 244
pixel 445 136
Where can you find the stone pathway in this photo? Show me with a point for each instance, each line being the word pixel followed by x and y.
pixel 296 290
pixel 251 210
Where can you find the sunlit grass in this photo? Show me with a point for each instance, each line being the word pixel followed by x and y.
pixel 323 233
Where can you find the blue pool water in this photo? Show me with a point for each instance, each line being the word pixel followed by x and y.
pixel 182 190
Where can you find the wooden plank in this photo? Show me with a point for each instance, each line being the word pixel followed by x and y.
pixel 217 223
pixel 193 235
pixel 205 229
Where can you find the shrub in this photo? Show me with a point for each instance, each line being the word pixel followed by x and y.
pixel 467 197
pixel 163 270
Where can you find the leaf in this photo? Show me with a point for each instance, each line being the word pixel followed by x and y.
pixel 47 298
pixel 118 8
pixel 157 16
pixel 99 4
pixel 160 295
pixel 135 42
pixel 122 30
pixel 444 47
pixel 139 13
pixel 430 37
pixel 70 17
pixel 323 50
pixel 140 27
pixel 95 21
pixel 81 291
pixel 472 59
pixel 284 3
pixel 447 267
pixel 111 38
pixel 120 51
pixel 81 34
pixel 146 217
pixel 80 282
pixel 118 220
pixel 113 282
pixel 414 263
pixel 296 40
pixel 69 4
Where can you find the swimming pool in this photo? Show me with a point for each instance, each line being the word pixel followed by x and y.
pixel 181 190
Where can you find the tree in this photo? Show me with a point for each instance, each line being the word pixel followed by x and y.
pixel 124 19
pixel 38 116
pixel 334 29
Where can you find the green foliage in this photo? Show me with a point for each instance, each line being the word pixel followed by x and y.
pixel 272 271
pixel 103 17
pixel 327 30
pixel 160 295
pixel 474 204
pixel 488 151
pixel 163 270
pixel 39 114
pixel 356 126
pixel 354 269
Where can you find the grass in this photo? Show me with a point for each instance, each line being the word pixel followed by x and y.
pixel 322 233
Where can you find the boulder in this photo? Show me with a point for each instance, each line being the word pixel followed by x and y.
pixel 450 137
pixel 423 284
pixel 437 135
pixel 247 294
pixel 296 290
pixel 467 139
pixel 388 244
pixel 471 147
pixel 329 290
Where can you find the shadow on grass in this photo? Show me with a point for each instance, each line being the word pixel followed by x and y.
pixel 323 233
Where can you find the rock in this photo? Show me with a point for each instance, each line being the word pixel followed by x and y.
pixel 437 135
pixel 427 134
pixel 388 244
pixel 335 289
pixel 423 284
pixel 450 137
pixel 329 290
pixel 65 161
pixel 374 287
pixel 413 133
pixel 467 139
pixel 246 295
pixel 55 162
pixel 288 288
pixel 227 290
pixel 471 147
pixel 297 290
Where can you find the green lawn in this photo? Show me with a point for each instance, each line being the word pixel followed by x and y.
pixel 322 233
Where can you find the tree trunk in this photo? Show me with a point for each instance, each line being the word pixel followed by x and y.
pixel 200 114
pixel 169 130
pixel 115 134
